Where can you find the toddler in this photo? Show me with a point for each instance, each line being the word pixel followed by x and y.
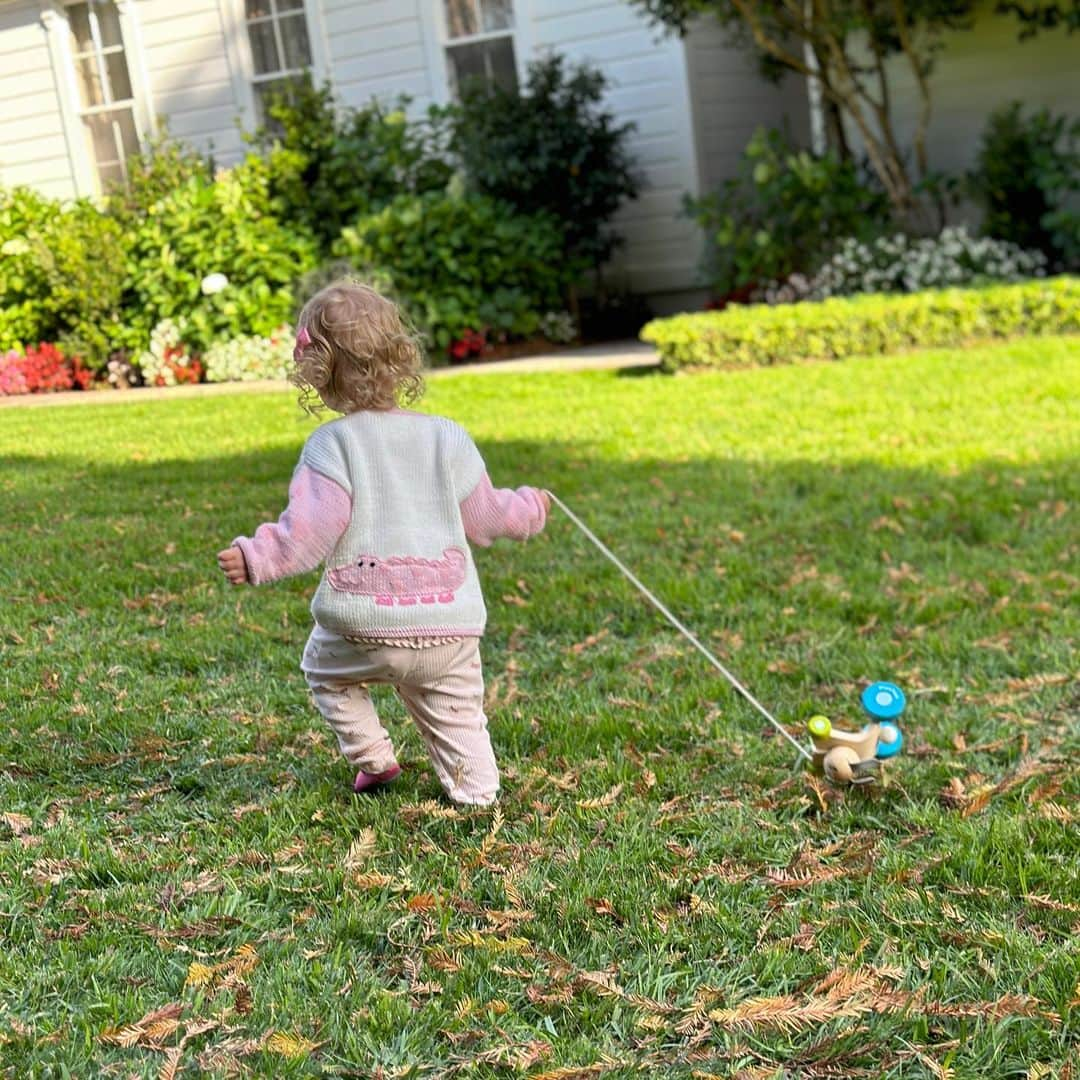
pixel 390 500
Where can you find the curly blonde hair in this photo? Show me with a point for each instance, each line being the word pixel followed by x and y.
pixel 359 352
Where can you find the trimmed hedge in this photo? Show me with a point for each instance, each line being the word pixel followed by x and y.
pixel 864 325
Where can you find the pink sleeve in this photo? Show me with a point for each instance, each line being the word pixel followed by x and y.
pixel 318 513
pixel 490 512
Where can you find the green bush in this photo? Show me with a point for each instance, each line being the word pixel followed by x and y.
pixel 329 166
pixel 1027 179
pixel 783 214
pixel 164 165
pixel 864 325
pixel 181 243
pixel 550 149
pixel 459 262
pixel 61 275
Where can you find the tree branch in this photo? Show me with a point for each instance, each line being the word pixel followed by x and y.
pixel 900 8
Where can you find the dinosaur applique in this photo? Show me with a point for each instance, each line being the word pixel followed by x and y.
pixel 402 579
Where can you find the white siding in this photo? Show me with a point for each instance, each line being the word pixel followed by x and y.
pixel 978 71
pixel 383 48
pixel 731 100
pixel 193 85
pixel 33 147
pixel 377 49
pixel 647 85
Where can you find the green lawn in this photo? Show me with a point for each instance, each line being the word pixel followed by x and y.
pixel 177 834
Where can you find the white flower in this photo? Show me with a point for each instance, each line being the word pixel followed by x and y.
pixel 214 283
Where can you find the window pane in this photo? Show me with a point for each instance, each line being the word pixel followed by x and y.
pixel 492 61
pixel 129 133
pixel 89 82
pixel 290 5
pixel 263 92
pixel 79 24
pixel 110 176
pixel 264 48
pixel 108 21
pixel 294 37
pixel 119 83
pixel 498 14
pixel 255 9
pixel 461 18
pixel 112 137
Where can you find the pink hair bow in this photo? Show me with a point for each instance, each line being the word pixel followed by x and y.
pixel 303 339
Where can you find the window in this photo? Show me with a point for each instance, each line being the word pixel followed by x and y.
pixel 280 46
pixel 108 103
pixel 480 42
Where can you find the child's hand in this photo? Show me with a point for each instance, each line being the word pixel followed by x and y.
pixel 232 564
pixel 545 498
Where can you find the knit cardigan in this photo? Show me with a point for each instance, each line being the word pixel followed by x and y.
pixel 391 500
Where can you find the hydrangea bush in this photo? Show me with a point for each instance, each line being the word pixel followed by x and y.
pixel 246 359
pixel 902 264
pixel 558 327
pixel 168 362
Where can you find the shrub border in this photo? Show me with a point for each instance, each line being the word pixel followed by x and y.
pixel 868 325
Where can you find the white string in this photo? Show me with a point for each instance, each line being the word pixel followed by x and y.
pixel 675 622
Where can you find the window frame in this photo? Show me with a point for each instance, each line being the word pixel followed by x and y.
pixel 242 59
pixel 98 53
pixel 57 23
pixel 438 41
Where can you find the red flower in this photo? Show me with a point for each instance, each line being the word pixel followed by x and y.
pixel 471 343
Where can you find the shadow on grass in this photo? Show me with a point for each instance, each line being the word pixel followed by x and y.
pixel 809 576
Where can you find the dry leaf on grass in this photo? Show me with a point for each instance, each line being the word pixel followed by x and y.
pixel 289 1045
pixel 171 1064
pixel 361 849
pixel 239 964
pixel 19 824
pixel 604 800
pixel 475 940
pixel 593 639
pixel 149 1031
pixel 603 906
pixel 788 1014
pixel 428 808
pixel 51 871
pixel 571 1072
pixel 372 880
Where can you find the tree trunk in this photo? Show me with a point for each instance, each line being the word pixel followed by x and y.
pixel 840 85
pixel 834 128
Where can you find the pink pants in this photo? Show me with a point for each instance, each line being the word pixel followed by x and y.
pixel 441 686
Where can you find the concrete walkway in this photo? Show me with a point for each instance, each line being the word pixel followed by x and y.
pixel 612 356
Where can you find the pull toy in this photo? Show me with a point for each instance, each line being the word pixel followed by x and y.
pixel 845 757
pixel 853 757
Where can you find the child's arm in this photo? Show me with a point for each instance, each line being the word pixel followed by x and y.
pixel 318 513
pixel 489 512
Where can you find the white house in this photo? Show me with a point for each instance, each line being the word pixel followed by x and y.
pixel 82 84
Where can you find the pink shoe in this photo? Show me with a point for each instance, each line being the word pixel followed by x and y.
pixel 365 781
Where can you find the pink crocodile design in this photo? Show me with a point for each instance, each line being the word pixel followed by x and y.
pixel 402 579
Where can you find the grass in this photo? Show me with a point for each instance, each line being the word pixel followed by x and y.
pixel 188 888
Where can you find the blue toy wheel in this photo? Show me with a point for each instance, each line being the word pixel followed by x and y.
pixel 890 740
pixel 883 700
